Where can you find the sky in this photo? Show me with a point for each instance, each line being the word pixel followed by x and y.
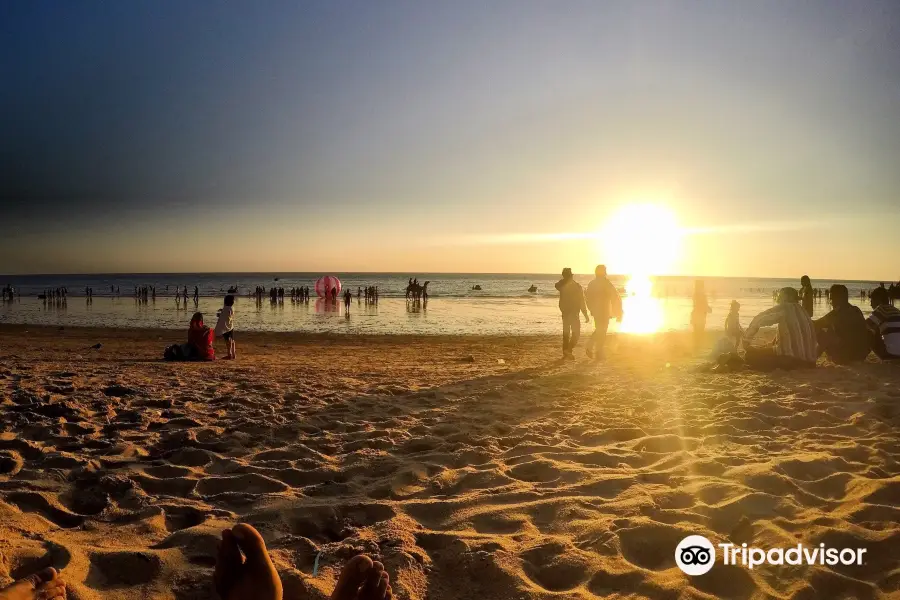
pixel 465 136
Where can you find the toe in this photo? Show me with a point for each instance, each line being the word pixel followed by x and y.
pixel 370 590
pixel 372 580
pixel 229 555
pixel 41 577
pixel 383 585
pixel 252 544
pixel 228 562
pixel 353 575
pixel 51 590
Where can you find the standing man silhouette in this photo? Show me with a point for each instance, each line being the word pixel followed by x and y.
pixel 603 301
pixel 571 302
pixel 807 295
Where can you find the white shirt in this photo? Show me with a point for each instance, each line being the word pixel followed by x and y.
pixel 226 321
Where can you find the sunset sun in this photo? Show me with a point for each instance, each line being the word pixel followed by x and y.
pixel 638 241
pixel 641 240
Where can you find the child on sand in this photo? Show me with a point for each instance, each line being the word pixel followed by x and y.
pixel 733 330
pixel 225 326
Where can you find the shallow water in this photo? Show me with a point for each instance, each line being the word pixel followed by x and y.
pixel 529 315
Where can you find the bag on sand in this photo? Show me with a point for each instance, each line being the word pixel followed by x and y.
pixel 174 352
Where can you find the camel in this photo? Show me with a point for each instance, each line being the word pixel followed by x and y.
pixel 417 292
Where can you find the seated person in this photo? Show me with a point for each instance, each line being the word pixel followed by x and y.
pixel 795 341
pixel 842 332
pixel 884 325
pixel 200 339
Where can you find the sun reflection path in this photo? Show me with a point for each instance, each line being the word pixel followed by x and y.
pixel 639 239
pixel 643 313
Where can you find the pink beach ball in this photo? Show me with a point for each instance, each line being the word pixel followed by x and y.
pixel 324 285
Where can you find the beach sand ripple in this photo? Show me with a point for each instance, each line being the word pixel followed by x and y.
pixel 468 477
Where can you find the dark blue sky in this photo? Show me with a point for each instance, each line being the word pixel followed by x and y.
pixel 315 120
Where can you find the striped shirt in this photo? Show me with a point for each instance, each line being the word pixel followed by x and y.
pixel 886 321
pixel 796 334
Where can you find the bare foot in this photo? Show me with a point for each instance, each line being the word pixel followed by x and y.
pixel 45 585
pixel 362 579
pixel 244 570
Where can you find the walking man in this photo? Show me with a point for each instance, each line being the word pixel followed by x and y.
pixel 571 302
pixel 603 301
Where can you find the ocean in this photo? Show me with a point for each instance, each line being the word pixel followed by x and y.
pixel 503 305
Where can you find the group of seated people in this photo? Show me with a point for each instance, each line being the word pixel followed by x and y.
pixel 244 571
pixel 844 334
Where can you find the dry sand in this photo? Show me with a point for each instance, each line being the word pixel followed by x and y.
pixel 470 478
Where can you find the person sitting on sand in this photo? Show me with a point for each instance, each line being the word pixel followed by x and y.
pixel 244 571
pixel 571 302
pixel 604 302
pixel 884 325
pixel 45 585
pixel 200 339
pixel 842 333
pixel 795 341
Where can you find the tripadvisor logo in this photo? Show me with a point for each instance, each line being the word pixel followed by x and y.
pixel 696 555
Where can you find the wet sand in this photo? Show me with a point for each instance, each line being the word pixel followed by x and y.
pixel 473 467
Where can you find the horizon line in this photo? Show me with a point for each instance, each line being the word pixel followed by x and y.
pixel 483 273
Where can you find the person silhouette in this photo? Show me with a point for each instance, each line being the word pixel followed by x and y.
pixel 698 314
pixel 795 342
pixel 604 302
pixel 807 295
pixel 571 302
pixel 884 325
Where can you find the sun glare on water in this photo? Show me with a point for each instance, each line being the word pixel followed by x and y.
pixel 639 241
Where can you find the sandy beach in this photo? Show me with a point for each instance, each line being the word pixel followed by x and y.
pixel 473 467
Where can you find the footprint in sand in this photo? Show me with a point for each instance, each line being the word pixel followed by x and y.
pixel 248 484
pixel 605 583
pixel 10 462
pixel 122 569
pixel 190 457
pixel 649 545
pixel 34 502
pixel 167 471
pixel 176 486
pixel 556 567
pixel 88 501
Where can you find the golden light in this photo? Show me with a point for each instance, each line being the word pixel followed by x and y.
pixel 641 240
